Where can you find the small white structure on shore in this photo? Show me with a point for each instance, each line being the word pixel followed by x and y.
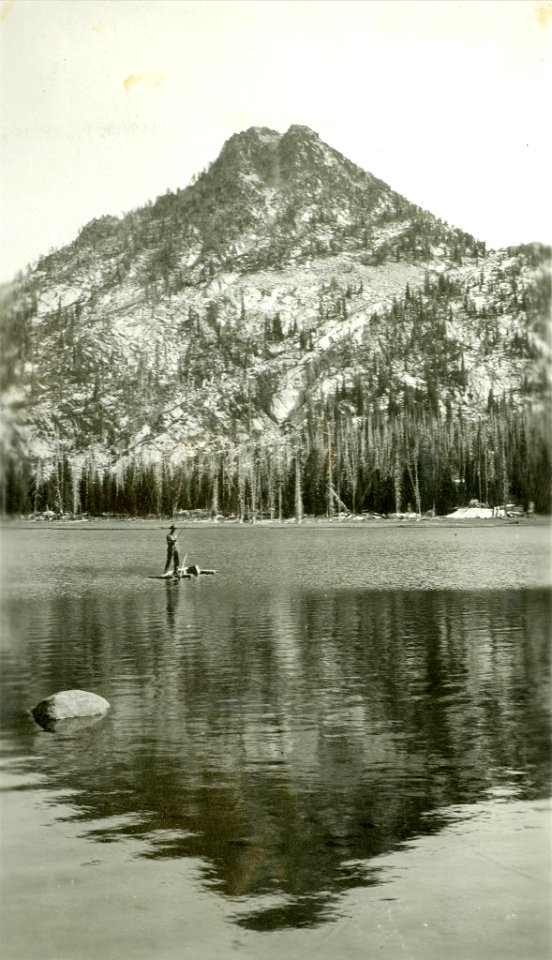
pixel 479 513
pixel 471 513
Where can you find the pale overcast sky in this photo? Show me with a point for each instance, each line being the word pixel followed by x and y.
pixel 107 103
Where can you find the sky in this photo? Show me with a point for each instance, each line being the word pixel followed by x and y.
pixel 106 104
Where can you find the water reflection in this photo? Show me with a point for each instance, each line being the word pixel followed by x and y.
pixel 285 739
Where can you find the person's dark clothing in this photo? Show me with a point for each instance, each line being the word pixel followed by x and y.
pixel 172 552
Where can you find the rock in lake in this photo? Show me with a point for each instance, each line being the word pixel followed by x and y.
pixel 68 704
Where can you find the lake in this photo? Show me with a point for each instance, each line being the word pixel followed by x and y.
pixel 338 746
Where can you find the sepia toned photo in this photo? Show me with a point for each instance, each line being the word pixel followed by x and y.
pixel 275 479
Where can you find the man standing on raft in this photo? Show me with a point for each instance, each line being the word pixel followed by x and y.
pixel 172 553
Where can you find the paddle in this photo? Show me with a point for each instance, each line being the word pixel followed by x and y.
pixel 182 568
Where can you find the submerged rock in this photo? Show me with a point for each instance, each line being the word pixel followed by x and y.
pixel 68 704
pixel 71 725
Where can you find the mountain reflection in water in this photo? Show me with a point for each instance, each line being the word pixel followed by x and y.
pixel 285 739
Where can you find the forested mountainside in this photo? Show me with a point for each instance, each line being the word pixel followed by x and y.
pixel 286 335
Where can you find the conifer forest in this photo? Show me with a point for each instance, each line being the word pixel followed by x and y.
pixel 285 338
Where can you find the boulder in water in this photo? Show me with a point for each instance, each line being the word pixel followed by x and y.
pixel 68 704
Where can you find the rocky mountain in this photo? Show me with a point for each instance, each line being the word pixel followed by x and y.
pixel 285 334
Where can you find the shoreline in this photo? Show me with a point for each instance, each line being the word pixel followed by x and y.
pixel 534 520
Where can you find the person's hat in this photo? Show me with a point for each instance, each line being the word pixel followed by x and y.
pixel 173 527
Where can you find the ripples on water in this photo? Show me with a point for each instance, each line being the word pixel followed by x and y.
pixel 309 708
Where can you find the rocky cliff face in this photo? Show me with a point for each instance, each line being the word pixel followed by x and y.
pixel 284 290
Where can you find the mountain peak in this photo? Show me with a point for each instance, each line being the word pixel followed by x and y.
pixel 268 135
pixel 252 137
pixel 264 134
pixel 255 140
pixel 300 130
pixel 284 281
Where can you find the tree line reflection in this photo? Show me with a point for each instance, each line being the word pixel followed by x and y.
pixel 289 740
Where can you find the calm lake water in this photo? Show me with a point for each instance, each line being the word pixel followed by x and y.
pixel 302 752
